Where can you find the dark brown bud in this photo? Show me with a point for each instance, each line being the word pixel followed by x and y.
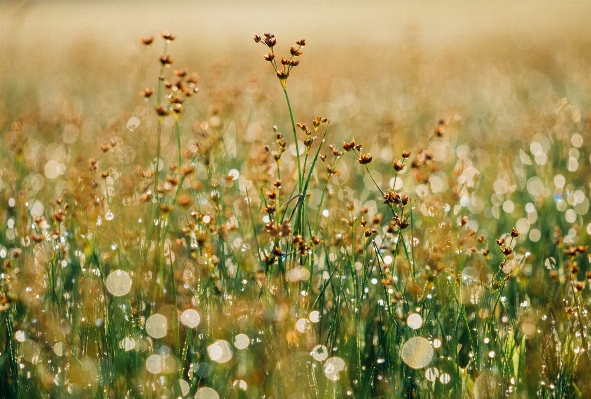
pixel 181 73
pixel 269 57
pixel 506 251
pixel 257 38
pixel 301 42
pixel 166 35
pixel 147 92
pixel 364 159
pixel 295 52
pixel 148 40
pixel 398 165
pixel 282 75
pixel 349 146
pixel 166 60
pixel 161 110
pixel 270 40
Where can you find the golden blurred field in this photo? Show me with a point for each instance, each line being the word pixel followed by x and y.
pixel 428 238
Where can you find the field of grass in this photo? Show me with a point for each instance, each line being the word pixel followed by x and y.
pixel 373 217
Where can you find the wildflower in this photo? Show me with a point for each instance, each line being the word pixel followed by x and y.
pixel 364 159
pixel 165 60
pixel 166 35
pixel 161 110
pixel 398 165
pixel 148 40
pixel 270 39
pixel 147 92
pixel 349 146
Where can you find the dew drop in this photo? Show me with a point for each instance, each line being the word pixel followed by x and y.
pixel 20 335
pixel 319 353
pixel 190 318
pixel 206 393
pixel 314 316
pixel 156 326
pixel 118 283
pixel 220 351
pixel 30 351
pixel 414 321
pixel 333 367
pixel 241 384
pixel 431 374
pixel 302 325
pixel 417 352
pixel 241 341
pixel 154 364
pixel 184 387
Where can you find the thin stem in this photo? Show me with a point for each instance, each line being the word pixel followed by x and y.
pixel 295 140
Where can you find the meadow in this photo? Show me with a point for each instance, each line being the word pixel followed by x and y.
pixel 283 219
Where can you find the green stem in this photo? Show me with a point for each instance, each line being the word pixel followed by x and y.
pixel 295 139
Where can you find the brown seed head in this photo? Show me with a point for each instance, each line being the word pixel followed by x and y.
pixel 257 38
pixel 161 110
pixel 301 42
pixel 148 40
pixel 166 60
pixel 295 51
pixel 364 159
pixel 270 39
pixel 166 35
pixel 147 92
pixel 269 57
pixel 406 154
pixel 398 165
pixel 181 73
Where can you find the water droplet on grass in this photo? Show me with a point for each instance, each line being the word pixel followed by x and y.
pixel 190 318
pixel 154 364
pixel 431 374
pixel 241 341
pixel 184 387
pixel 156 326
pixel 417 352
pixel 314 316
pixel 220 351
pixel 118 283
pixel 333 367
pixel 414 321
pixel 20 335
pixel 320 353
pixel 206 393
pixel 30 351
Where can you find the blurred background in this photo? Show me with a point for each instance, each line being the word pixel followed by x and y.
pixel 398 59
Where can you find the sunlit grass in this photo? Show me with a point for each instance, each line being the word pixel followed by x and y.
pixel 224 243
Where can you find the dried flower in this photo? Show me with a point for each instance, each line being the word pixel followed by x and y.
pixel 364 159
pixel 166 35
pixel 148 40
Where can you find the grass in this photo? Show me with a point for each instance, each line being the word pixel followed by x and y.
pixel 421 245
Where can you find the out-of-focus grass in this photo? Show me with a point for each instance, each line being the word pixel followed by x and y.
pixel 153 253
